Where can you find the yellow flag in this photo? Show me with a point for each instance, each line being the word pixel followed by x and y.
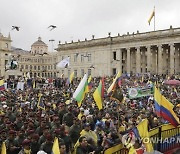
pixel 98 96
pixel 55 148
pixel 144 134
pixel 34 84
pixel 71 77
pixel 114 81
pixel 152 15
pixel 3 148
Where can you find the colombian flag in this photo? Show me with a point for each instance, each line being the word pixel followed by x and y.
pixel 2 85
pixel 164 108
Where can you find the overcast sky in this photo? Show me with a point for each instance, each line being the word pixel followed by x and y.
pixel 80 19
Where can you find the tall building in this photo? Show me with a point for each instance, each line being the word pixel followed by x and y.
pixel 156 52
pixel 38 62
pixel 5 51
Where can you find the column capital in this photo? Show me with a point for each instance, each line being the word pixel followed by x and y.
pixel 138 47
pixel 171 44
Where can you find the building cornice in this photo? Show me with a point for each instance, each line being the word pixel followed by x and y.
pixel 172 32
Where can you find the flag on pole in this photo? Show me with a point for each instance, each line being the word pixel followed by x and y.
pixel 2 85
pixel 113 84
pixel 99 94
pixel 3 148
pixel 55 148
pixel 80 91
pixel 142 132
pixel 40 103
pixel 164 108
pixel 69 80
pixel 63 63
pixel 152 15
pixel 89 85
pixel 34 84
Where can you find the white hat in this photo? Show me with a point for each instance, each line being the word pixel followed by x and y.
pixel 41 152
pixel 4 106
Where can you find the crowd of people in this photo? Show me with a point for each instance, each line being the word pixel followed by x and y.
pixel 27 127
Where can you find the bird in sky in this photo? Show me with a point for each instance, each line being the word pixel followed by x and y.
pixel 16 28
pixel 52 27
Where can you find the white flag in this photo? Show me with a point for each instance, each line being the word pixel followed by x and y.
pixel 64 63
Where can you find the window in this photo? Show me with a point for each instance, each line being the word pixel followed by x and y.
pixel 69 71
pixel 82 72
pixel 38 67
pixel 22 66
pixel 62 57
pixel 75 58
pixel 89 72
pixel 114 71
pixel 30 67
pixel 114 55
pixel 54 66
pixel 75 73
pixel 62 72
pixel 48 67
pixel 26 67
pixel 82 58
pixel 34 67
pixel 89 57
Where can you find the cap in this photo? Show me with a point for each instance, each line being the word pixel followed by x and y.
pixel 12 132
pixel 35 136
pixel 26 142
pixel 49 137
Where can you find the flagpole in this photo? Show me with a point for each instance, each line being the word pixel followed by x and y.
pixel 154 19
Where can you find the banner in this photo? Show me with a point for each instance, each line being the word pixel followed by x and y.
pixel 140 92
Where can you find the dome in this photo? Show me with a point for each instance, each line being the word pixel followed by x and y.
pixel 39 42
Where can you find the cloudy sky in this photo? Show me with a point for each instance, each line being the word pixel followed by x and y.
pixel 80 19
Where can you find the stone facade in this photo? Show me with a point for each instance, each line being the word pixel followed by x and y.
pixel 5 51
pixel 38 62
pixel 156 52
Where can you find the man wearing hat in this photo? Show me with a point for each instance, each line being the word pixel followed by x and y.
pixel 11 144
pixel 26 147
pixel 48 144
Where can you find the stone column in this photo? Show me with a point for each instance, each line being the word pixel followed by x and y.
pixel 148 58
pixel 176 60
pixel 138 60
pixel 128 62
pixel 119 58
pixel 159 59
pixel 171 59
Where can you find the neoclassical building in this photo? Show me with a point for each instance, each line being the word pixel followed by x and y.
pixel 155 52
pixel 38 62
